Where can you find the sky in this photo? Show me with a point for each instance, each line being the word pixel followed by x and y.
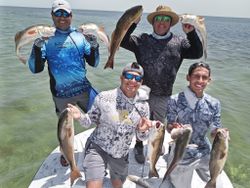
pixel 221 8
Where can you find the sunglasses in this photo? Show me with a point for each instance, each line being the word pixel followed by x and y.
pixel 129 76
pixel 60 13
pixel 198 64
pixel 160 18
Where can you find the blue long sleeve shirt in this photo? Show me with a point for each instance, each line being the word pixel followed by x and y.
pixel 65 53
pixel 203 117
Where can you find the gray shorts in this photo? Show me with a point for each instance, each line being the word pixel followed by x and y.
pixel 96 161
pixel 79 100
pixel 158 107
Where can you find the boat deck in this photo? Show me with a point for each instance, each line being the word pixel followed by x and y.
pixel 51 174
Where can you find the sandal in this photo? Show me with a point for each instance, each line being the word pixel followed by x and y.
pixel 63 161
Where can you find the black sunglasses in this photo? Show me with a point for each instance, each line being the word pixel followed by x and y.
pixel 61 13
pixel 130 76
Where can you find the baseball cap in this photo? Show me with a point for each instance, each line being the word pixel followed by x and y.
pixel 61 4
pixel 135 67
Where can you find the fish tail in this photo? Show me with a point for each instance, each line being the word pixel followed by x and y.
pixel 205 55
pixel 153 173
pixel 169 170
pixel 139 181
pixel 211 184
pixel 110 63
pixel 74 175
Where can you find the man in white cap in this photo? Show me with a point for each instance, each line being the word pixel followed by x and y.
pixel 161 54
pixel 66 53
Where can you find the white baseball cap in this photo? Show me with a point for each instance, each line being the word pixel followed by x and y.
pixel 61 4
pixel 134 67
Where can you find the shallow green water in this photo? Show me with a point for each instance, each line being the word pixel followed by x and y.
pixel 27 119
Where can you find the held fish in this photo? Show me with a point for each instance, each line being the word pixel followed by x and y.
pixel 139 181
pixel 218 156
pixel 199 23
pixel 65 134
pixel 29 35
pixel 122 26
pixel 91 27
pixel 155 144
pixel 182 137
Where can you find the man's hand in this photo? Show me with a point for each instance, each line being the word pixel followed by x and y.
pixel 173 125
pixel 144 125
pixel 39 42
pixel 92 40
pixel 187 28
pixel 75 111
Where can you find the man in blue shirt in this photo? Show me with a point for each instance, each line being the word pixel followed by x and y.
pixel 65 54
pixel 200 110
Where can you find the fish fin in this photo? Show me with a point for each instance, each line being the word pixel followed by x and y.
pixel 101 32
pixel 101 28
pixel 32 32
pixel 205 55
pixel 74 175
pixel 109 64
pixel 201 19
pixel 222 155
pixel 139 181
pixel 22 59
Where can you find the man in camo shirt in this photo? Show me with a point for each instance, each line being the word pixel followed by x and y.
pixel 119 115
pixel 203 112
pixel 161 54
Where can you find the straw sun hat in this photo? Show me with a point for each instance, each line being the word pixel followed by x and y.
pixel 164 10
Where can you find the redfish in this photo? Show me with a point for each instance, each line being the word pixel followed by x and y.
pixel 65 134
pixel 182 137
pixel 91 27
pixel 122 26
pixel 29 35
pixel 199 23
pixel 218 156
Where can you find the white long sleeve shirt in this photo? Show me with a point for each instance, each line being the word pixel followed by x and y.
pixel 116 118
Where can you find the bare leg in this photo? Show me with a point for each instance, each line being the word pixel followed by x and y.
pixel 95 184
pixel 117 183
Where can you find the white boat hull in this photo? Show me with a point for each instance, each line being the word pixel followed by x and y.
pixel 52 175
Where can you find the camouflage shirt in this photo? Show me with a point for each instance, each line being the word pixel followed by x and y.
pixel 162 58
pixel 116 118
pixel 203 117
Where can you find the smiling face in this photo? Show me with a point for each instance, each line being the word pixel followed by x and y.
pixel 198 80
pixel 161 24
pixel 62 21
pixel 129 85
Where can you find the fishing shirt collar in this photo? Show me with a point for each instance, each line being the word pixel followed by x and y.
pixel 191 98
pixel 141 95
pixel 122 95
pixel 161 37
pixel 66 31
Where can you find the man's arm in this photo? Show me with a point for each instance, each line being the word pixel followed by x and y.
pixel 36 62
pixel 192 47
pixel 128 41
pixel 216 124
pixel 93 58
